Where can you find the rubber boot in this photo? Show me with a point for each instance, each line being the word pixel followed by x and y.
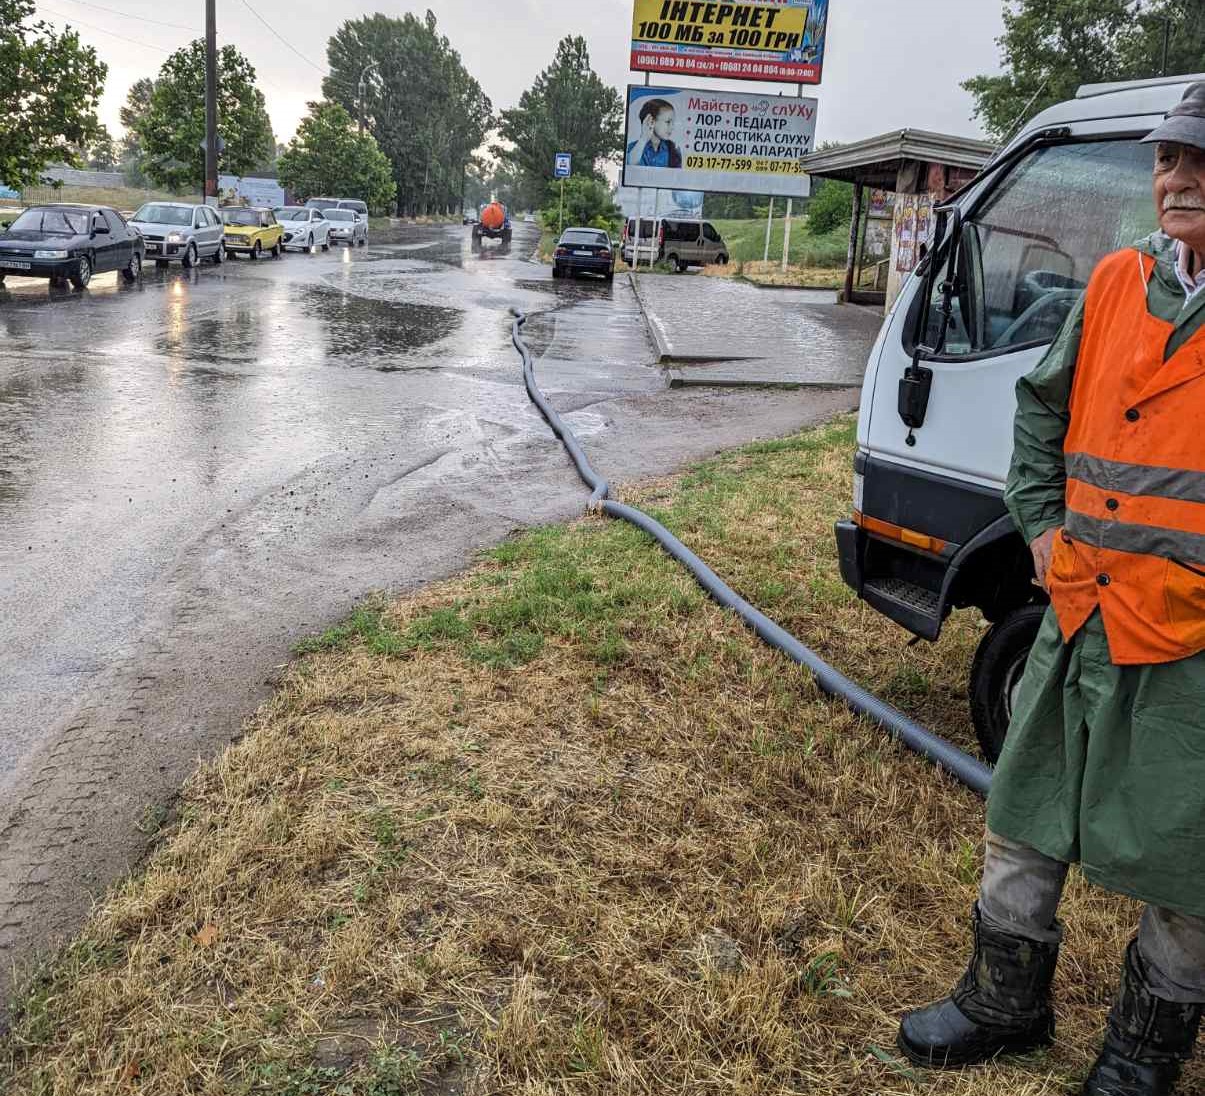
pixel 1001 1006
pixel 1147 1039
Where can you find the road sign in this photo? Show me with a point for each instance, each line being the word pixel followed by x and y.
pixel 564 165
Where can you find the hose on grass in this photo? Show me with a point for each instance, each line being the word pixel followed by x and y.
pixel 971 772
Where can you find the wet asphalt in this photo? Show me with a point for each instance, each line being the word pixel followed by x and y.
pixel 198 470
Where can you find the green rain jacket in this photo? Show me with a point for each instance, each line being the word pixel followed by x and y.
pixel 1104 765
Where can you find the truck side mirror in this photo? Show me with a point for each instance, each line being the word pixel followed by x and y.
pixel 917 382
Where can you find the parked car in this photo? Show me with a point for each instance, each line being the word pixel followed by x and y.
pixel 584 251
pixel 356 206
pixel 692 243
pixel 347 227
pixel 70 243
pixel 305 228
pixel 252 231
pixel 181 231
pixel 322 203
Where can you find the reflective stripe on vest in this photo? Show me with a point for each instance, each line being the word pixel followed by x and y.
pixel 1134 540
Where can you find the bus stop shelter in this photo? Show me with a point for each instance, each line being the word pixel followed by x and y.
pixel 898 178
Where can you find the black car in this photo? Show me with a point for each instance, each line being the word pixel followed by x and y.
pixel 70 243
pixel 584 251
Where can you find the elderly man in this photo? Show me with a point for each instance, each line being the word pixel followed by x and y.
pixel 1105 760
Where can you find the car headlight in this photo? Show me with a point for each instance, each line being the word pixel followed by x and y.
pixel 52 254
pixel 175 238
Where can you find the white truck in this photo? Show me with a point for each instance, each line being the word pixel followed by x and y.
pixel 1012 254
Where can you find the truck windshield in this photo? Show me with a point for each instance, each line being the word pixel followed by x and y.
pixel 1027 253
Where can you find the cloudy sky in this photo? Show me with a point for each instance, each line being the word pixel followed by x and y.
pixel 888 65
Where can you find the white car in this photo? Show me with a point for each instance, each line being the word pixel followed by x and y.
pixel 305 229
pixel 347 227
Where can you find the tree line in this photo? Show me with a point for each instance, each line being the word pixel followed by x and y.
pixel 401 119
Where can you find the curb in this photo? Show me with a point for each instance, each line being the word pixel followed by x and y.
pixel 660 343
pixel 677 379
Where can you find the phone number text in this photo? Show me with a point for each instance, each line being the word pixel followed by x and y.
pixel 744 165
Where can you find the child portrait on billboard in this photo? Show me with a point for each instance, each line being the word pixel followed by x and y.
pixel 655 147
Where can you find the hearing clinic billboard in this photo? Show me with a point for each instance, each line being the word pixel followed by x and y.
pixel 722 142
pixel 774 40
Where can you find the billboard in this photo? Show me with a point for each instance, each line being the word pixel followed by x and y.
pixel 726 142
pixel 775 40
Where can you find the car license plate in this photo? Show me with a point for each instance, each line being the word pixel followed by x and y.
pixel 12 264
pixel 585 254
pixel 151 248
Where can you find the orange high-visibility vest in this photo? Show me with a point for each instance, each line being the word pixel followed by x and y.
pixel 1134 540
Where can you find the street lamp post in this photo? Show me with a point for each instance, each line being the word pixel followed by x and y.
pixel 362 88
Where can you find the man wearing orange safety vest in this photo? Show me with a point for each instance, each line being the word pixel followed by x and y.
pixel 1104 764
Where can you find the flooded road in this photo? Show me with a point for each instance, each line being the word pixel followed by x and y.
pixel 197 471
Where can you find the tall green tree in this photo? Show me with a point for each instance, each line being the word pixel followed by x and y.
pixel 1050 47
pixel 101 153
pixel 569 108
pixel 172 130
pixel 403 80
pixel 328 156
pixel 50 85
pixel 129 151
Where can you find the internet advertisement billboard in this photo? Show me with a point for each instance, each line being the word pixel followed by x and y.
pixel 773 40
pixel 722 142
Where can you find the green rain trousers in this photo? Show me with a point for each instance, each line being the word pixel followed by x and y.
pixel 1104 765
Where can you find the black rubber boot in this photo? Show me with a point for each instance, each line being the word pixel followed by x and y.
pixel 1001 1006
pixel 1147 1040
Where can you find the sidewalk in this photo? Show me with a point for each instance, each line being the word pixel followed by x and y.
pixel 713 331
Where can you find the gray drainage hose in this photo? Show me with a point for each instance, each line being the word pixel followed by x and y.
pixel 974 774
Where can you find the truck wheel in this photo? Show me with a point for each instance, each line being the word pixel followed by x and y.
pixel 996 676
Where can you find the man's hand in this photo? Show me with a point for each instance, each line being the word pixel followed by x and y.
pixel 1043 548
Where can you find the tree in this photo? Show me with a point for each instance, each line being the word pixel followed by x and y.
pixel 172 130
pixel 133 110
pixel 1050 47
pixel 328 156
pixel 101 154
pixel 831 206
pixel 403 80
pixel 587 202
pixel 50 85
pixel 569 108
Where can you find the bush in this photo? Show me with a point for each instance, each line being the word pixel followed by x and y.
pixel 831 207
pixel 587 202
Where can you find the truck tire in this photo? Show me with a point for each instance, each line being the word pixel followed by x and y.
pixel 996 674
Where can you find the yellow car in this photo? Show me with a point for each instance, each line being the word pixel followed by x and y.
pixel 252 231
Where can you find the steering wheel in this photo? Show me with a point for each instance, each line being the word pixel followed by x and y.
pixel 1050 311
pixel 1037 283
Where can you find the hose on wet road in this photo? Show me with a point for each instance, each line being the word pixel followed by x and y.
pixel 971 772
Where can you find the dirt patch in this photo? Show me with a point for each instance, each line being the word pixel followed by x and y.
pixel 564 826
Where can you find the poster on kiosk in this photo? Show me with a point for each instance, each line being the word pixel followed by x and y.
pixel 772 40
pixel 718 141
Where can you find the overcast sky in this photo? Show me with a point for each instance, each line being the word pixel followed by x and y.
pixel 888 65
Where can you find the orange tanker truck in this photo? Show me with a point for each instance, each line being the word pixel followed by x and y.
pixel 492 223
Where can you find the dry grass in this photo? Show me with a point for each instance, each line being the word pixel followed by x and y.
pixel 563 827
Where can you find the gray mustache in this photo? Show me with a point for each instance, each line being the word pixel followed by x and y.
pixel 1183 201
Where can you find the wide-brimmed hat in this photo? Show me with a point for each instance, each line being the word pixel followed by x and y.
pixel 1184 124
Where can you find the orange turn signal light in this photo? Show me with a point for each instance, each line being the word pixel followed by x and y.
pixel 913 539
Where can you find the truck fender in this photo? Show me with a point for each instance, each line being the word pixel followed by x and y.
pixel 999 531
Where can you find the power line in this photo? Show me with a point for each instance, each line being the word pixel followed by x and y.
pixel 131 15
pixel 70 21
pixel 285 41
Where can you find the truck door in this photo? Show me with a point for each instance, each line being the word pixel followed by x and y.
pixel 1027 250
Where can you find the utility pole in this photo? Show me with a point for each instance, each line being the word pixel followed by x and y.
pixel 211 99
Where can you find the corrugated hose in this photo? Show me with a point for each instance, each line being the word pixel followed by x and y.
pixel 971 772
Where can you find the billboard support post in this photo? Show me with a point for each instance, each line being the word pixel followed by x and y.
pixel 786 230
pixel 769 225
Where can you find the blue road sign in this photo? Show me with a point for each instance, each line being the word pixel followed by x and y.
pixel 564 165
